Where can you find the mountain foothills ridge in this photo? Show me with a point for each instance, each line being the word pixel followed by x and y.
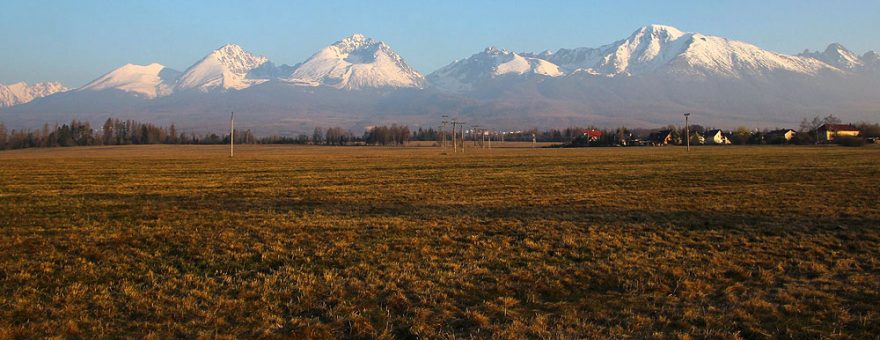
pixel 647 79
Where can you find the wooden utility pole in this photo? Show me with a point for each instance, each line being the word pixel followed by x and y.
pixel 475 130
pixel 232 134
pixel 687 131
pixel 455 139
pixel 454 142
pixel 443 132
pixel 461 135
pixel 490 140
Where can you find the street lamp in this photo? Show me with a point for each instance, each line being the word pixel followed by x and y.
pixel 687 131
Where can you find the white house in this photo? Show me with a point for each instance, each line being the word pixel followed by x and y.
pixel 716 137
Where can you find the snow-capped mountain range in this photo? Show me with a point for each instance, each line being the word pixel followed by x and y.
pixel 643 79
pixel 654 49
pixel 353 63
pixel 463 75
pixel 20 93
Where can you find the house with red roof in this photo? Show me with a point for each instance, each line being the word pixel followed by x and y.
pixel 592 135
pixel 829 132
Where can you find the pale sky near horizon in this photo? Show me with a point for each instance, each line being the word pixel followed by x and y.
pixel 77 41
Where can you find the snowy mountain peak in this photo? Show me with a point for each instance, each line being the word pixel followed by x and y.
pixel 356 62
pixel 645 50
pixel 491 63
pixel 230 49
pixel 224 68
pixel 658 31
pixel 836 47
pixel 496 51
pixel 20 93
pixel 836 55
pixel 353 42
pixel 150 81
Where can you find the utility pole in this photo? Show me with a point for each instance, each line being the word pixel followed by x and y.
pixel 232 134
pixel 460 125
pixel 454 142
pixel 490 140
pixel 475 130
pixel 461 135
pixel 687 131
pixel 443 132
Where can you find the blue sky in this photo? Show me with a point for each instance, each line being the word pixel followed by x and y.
pixel 77 41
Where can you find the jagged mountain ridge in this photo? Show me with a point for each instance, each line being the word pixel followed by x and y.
pixel 20 93
pixel 358 62
pixel 650 77
pixel 650 50
pixel 465 74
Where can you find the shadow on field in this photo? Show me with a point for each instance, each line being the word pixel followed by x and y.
pixel 145 206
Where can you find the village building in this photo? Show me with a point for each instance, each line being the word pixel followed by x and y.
pixel 781 136
pixel 592 135
pixel 716 137
pixel 829 132
pixel 662 137
pixel 698 138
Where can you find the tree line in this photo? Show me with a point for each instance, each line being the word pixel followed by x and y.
pixel 112 132
pixel 126 132
pixel 131 132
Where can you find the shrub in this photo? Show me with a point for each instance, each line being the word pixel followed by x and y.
pixel 804 138
pixel 849 141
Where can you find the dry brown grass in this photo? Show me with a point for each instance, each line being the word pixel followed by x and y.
pixel 319 242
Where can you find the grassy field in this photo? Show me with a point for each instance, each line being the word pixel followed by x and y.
pixel 404 242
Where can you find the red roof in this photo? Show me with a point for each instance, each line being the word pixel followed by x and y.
pixel 838 127
pixel 593 133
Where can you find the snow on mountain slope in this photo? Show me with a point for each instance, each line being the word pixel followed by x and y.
pixel 653 49
pixel 20 93
pixel 719 56
pixel 356 62
pixel 225 68
pixel 645 50
pixel 656 48
pixel 573 60
pixel 491 63
pixel 838 56
pixel 149 81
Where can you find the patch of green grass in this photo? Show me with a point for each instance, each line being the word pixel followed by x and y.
pixel 398 242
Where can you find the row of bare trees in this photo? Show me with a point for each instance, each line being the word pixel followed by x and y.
pixel 112 132
pixel 387 135
pixel 123 132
